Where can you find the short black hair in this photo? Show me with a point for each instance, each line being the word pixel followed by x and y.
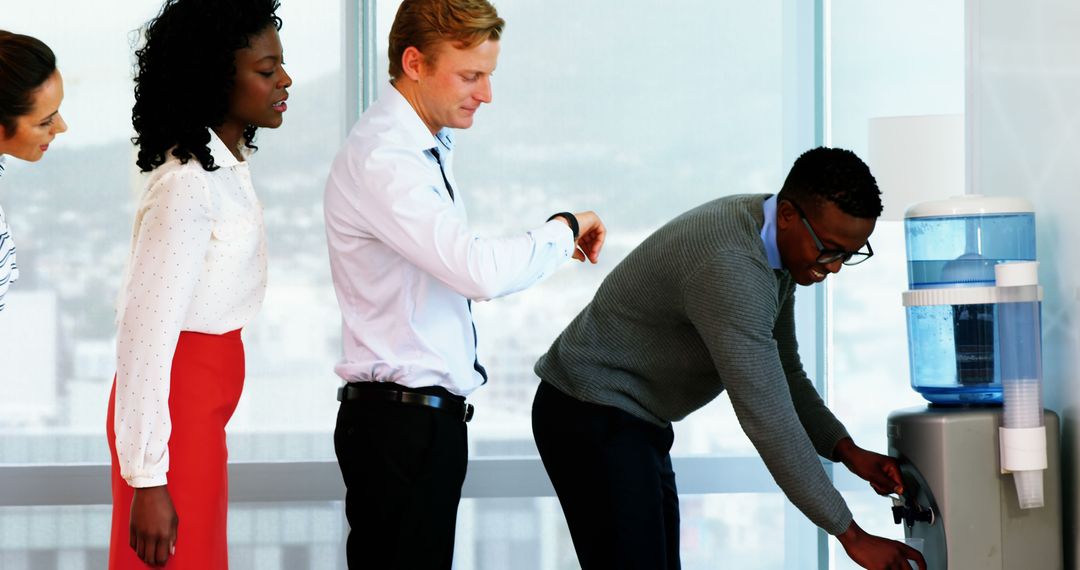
pixel 835 175
pixel 185 72
pixel 25 64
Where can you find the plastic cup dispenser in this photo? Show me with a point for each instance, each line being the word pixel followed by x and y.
pixel 980 462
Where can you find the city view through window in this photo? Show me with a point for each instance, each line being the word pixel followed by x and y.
pixel 636 112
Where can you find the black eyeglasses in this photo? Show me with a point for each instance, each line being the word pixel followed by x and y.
pixel 826 255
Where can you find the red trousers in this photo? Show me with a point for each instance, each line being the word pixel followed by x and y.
pixel 207 378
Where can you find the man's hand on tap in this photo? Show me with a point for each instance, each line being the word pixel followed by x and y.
pixel 881 471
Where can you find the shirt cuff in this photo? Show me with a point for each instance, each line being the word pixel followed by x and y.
pixel 146 481
pixel 558 234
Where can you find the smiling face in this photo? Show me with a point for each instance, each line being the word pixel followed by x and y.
pixel 260 86
pixel 36 129
pixel 447 87
pixel 836 230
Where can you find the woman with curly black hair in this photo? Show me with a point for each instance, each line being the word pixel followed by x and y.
pixel 30 93
pixel 209 74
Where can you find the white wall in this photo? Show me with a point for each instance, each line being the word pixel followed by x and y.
pixel 1025 104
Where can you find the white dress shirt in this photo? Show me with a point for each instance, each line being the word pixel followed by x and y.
pixel 404 261
pixel 9 270
pixel 198 263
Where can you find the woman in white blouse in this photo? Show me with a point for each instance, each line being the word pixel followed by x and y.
pixel 209 73
pixel 30 93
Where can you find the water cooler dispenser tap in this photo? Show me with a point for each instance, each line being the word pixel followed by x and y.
pixel 908 511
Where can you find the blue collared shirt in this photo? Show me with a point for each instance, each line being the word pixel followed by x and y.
pixel 768 233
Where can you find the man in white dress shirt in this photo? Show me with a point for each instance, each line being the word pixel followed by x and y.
pixel 406 268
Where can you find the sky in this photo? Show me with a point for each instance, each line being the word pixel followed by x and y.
pixel 99 111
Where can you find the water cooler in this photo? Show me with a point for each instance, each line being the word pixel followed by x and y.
pixel 981 461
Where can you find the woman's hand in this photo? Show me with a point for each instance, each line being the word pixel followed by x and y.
pixel 153 525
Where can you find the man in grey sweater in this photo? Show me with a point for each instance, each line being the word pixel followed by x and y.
pixel 704 305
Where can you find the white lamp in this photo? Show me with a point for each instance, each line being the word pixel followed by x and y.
pixel 915 159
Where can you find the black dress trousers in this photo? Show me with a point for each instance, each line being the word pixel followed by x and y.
pixel 403 467
pixel 613 475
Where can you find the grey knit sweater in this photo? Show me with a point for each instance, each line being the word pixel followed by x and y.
pixel 693 311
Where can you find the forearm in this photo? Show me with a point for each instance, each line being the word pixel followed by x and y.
pixel 166 261
pixel 844 450
pixel 142 423
pixel 821 425
pixel 824 429
pixel 737 328
pixel 488 268
pixel 391 199
pixel 797 470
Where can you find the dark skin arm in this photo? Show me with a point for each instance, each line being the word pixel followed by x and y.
pixel 876 553
pixel 153 525
pixel 881 471
pixel 883 474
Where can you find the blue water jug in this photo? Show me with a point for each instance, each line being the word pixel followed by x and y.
pixel 952 248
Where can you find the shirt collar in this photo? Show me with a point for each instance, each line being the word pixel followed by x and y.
pixel 413 129
pixel 768 233
pixel 445 138
pixel 220 153
pixel 2 160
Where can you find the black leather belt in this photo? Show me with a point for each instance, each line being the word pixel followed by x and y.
pixel 375 392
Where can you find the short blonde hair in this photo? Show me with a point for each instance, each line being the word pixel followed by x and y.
pixel 424 23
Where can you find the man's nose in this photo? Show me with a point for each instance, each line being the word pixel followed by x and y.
pixel 483 92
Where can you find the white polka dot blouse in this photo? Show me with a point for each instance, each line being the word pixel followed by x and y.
pixel 197 263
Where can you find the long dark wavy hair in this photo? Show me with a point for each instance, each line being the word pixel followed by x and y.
pixel 185 73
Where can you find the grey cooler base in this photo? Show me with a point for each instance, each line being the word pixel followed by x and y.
pixel 951 458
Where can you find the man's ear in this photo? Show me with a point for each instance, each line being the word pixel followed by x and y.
pixel 785 213
pixel 412 63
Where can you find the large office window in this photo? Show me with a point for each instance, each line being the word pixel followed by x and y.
pixel 888 59
pixel 638 112
pixel 633 110
pixel 71 215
